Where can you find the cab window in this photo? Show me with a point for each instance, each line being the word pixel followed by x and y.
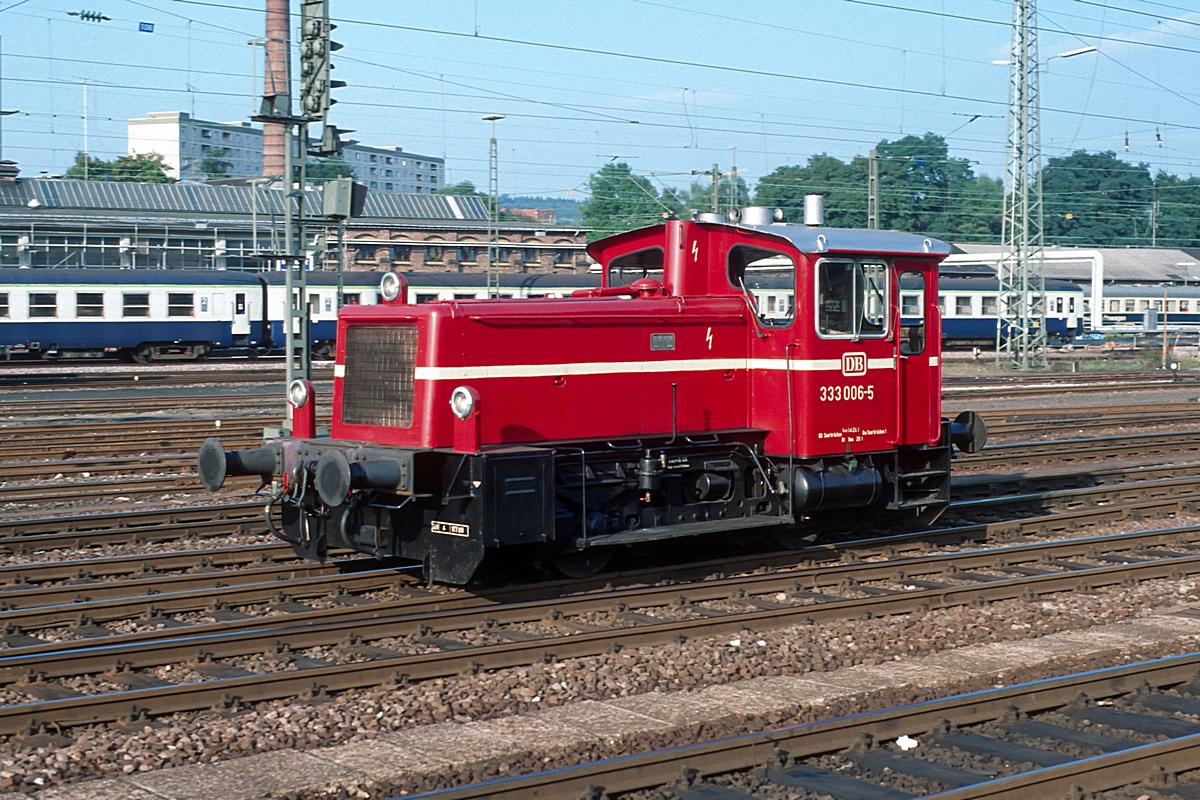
pixel 852 298
pixel 768 278
pixel 912 313
pixel 624 270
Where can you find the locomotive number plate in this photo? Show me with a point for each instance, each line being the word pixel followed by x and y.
pixel 851 392
pixel 449 528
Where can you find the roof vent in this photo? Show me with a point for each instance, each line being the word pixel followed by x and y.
pixel 708 216
pixel 814 210
pixel 759 215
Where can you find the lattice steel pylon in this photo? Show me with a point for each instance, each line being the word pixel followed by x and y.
pixel 493 219
pixel 1021 304
pixel 493 200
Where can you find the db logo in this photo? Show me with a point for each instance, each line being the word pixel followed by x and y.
pixel 854 364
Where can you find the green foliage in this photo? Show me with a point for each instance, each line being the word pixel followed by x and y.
pixel 319 170
pixel 214 165
pixel 622 201
pixel 141 168
pixel 1178 210
pixel 843 185
pixel 921 190
pixel 699 196
pixel 462 188
pixel 565 208
pixel 1107 200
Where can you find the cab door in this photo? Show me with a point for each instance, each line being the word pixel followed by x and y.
pixel 918 356
pixel 847 375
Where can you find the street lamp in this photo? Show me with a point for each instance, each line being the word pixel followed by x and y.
pixel 493 204
pixel 5 114
pixel 1045 65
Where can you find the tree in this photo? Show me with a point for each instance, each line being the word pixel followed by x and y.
pixel 214 165
pixel 622 201
pixel 319 170
pixel 1097 199
pixel 140 168
pixel 921 190
pixel 699 196
pixel 461 188
pixel 844 187
pixel 1178 213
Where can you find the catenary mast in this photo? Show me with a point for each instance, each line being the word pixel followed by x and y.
pixel 1021 305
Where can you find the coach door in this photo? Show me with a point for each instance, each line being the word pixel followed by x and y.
pixel 241 317
pixel 917 352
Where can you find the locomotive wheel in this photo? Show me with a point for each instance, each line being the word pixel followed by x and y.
pixel 582 563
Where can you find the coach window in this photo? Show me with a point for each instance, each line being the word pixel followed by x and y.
pixel 180 305
pixel 989 305
pixel 1130 305
pixel 3 304
pixel 136 305
pixel 912 314
pixel 43 304
pixel 624 270
pixel 1184 305
pixel 426 298
pixel 852 298
pixel 768 278
pixel 89 304
pixel 962 305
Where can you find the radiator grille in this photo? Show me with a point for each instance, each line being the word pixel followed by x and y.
pixel 378 387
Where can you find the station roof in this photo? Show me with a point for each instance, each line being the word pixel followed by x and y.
pixel 1141 265
pixel 200 199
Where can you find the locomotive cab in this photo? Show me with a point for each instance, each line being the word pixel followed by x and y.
pixel 723 378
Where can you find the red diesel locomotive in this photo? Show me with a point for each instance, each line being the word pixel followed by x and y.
pixel 724 377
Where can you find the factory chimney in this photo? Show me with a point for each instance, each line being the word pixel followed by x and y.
pixel 277 80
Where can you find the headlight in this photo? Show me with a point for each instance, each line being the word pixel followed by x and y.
pixel 462 402
pixel 389 286
pixel 298 393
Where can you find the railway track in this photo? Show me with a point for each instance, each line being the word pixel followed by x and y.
pixel 422 637
pixel 149 375
pixel 1176 444
pixel 1025 385
pixel 137 526
pixel 1089 732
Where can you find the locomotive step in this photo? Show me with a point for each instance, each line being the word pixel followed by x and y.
pixel 929 473
pixel 683 529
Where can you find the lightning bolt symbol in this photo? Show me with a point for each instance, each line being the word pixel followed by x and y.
pixel 708 338
pixel 695 250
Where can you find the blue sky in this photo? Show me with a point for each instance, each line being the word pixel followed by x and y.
pixel 765 84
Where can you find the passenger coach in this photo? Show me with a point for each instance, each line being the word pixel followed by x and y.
pixel 143 314
pixel 969 309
